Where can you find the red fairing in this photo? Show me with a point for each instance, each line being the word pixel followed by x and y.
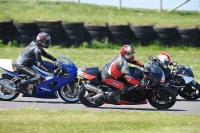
pixel 114 72
pixel 130 103
pixel 114 83
pixel 132 80
pixel 123 102
pixel 88 76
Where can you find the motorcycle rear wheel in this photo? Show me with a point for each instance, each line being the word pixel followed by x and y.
pixel 69 93
pixel 6 94
pixel 162 98
pixel 84 97
pixel 192 92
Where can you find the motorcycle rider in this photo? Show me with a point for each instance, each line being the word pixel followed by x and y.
pixel 118 68
pixel 32 54
pixel 163 60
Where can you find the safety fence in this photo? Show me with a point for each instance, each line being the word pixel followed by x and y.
pixel 75 33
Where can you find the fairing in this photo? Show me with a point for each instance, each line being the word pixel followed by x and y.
pixel 185 70
pixel 156 72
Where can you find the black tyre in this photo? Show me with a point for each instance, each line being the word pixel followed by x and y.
pixel 189 31
pixel 119 28
pixel 5 94
pixel 6 25
pixel 72 26
pixel 5 39
pixel 97 28
pixel 69 93
pixel 25 25
pixel 24 38
pixel 191 92
pixel 142 29
pixel 85 98
pixel 144 36
pixel 50 24
pixel 163 98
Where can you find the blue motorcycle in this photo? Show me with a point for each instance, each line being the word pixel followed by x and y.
pixel 62 82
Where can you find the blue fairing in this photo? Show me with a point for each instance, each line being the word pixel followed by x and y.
pixel 49 65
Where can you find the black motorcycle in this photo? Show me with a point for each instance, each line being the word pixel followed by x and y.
pixel 93 90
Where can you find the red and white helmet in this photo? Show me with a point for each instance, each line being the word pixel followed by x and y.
pixel 127 52
pixel 164 59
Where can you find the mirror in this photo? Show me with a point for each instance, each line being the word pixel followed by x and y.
pixel 174 63
pixel 150 57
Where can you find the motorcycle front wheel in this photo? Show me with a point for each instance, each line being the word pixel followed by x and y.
pixel 6 94
pixel 69 93
pixel 85 98
pixel 190 92
pixel 162 98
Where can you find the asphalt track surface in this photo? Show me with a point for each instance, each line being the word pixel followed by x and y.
pixel 181 106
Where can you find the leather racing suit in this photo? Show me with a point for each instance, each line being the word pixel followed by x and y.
pixel 30 55
pixel 116 68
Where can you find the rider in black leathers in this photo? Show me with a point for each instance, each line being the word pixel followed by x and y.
pixel 32 54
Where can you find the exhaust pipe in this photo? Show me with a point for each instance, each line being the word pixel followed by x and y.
pixel 6 85
pixel 93 88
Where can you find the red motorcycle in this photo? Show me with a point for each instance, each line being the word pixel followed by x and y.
pixel 93 90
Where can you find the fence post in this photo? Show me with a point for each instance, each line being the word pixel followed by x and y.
pixel 120 4
pixel 160 9
pixel 78 1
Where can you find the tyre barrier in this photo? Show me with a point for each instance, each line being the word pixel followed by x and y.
pixel 96 33
pixel 25 32
pixel 74 33
pixel 189 36
pixel 143 34
pixel 167 35
pixel 120 34
pixel 6 31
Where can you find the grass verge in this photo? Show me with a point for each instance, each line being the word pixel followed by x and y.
pixel 68 121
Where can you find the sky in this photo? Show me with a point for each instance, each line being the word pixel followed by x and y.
pixel 192 5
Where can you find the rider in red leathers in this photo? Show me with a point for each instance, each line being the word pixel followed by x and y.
pixel 118 68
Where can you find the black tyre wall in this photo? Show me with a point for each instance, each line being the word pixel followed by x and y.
pixel 120 34
pixel 143 34
pixel 25 32
pixel 73 33
pixel 190 36
pixel 167 35
pixel 6 31
pixel 96 33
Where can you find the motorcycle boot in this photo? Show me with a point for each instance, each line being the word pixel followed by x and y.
pixel 127 88
pixel 113 97
pixel 21 88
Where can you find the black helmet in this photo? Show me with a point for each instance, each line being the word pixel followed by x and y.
pixel 43 39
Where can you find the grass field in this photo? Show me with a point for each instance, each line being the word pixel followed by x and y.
pixel 46 10
pixel 69 121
